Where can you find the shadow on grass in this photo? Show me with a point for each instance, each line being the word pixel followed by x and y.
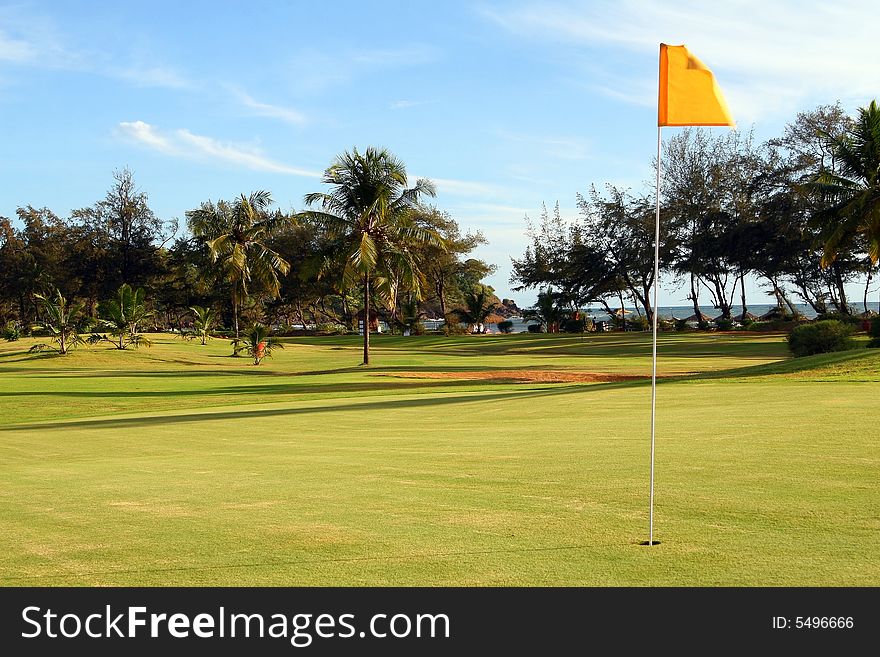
pixel 239 414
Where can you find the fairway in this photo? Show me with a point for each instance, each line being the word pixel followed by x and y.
pixel 474 460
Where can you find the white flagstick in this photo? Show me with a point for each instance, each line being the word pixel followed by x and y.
pixel 654 345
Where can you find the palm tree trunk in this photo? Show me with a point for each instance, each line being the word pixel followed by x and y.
pixel 235 312
pixel 366 319
pixel 742 292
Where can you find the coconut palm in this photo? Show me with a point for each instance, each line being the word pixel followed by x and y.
pixel 61 322
pixel 258 344
pixel 854 192
pixel 203 321
pixel 237 234
pixel 123 314
pixel 368 218
pixel 478 306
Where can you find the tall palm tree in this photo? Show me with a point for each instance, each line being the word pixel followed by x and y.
pixel 368 219
pixel 854 192
pixel 236 234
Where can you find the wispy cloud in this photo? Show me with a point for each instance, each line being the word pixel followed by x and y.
pixel 35 40
pixel 151 76
pixel 799 50
pixel 184 144
pixel 560 147
pixel 405 104
pixel 16 50
pixel 286 114
pixel 465 188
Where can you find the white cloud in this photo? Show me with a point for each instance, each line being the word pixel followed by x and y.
pixel 286 114
pixel 185 144
pixel 769 57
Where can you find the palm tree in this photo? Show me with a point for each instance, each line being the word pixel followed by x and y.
pixel 368 219
pixel 237 234
pixel 258 344
pixel 123 314
pixel 61 322
pixel 855 191
pixel 203 321
pixel 478 306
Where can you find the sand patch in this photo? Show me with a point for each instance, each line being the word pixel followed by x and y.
pixel 522 376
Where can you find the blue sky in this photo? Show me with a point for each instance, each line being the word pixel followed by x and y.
pixel 504 105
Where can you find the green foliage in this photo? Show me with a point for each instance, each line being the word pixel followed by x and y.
pixel 11 332
pixel 258 344
pixel 369 221
pixel 122 316
pixel 638 323
pixel 820 337
pixel 61 323
pixel 204 320
pixel 535 328
pixel 506 326
pixel 575 325
pixel 452 325
pixel 237 236
pixel 724 324
pixel 330 328
pixel 479 304
pixel 874 327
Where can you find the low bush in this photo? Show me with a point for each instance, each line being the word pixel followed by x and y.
pixel 535 328
pixel 820 337
pixel 724 324
pixel 506 326
pixel 11 332
pixel 638 323
pixel 574 326
pixel 874 328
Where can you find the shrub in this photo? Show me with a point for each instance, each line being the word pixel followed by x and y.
pixel 724 324
pixel 535 328
pixel 506 326
pixel 574 326
pixel 11 333
pixel 638 323
pixel 451 325
pixel 820 337
pixel 331 328
pixel 874 328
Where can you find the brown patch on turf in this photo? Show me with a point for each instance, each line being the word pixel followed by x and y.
pixel 523 376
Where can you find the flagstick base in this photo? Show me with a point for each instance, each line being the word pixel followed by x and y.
pixel 646 543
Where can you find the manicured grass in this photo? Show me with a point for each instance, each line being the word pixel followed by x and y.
pixel 179 465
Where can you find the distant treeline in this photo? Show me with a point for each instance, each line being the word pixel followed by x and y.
pixel 247 259
pixel 800 213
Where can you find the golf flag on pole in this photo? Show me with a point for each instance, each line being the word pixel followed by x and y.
pixel 689 94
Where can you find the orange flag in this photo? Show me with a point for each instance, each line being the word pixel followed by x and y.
pixel 689 94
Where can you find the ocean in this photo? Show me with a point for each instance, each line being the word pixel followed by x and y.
pixel 678 312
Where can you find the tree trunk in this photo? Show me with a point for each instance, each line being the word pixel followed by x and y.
pixel 695 296
pixel 742 294
pixel 366 319
pixel 867 285
pixel 843 306
pixel 235 313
